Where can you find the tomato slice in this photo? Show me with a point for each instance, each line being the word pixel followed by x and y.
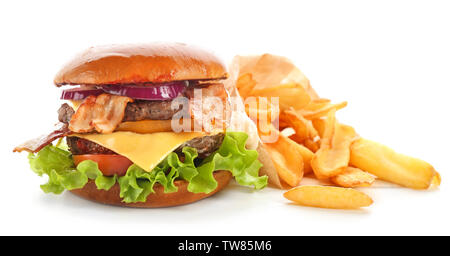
pixel 108 164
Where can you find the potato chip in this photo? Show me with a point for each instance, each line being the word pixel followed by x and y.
pixel 391 166
pixel 273 73
pixel 245 64
pixel 328 197
pixel 353 177
pixel 271 70
pixel 297 76
pixel 334 154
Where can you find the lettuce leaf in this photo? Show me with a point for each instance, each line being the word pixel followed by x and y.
pixel 56 162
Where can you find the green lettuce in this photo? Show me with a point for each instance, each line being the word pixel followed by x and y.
pixel 57 163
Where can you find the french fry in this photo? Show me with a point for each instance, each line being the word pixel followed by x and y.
pixel 331 150
pixel 329 129
pixel 353 177
pixel 282 125
pixel 317 104
pixel 307 156
pixel 391 166
pixel 328 197
pixel 319 125
pixel 334 154
pixel 289 95
pixel 268 167
pixel 304 129
pixel 317 113
pixel 436 182
pixel 261 109
pixel 311 144
pixel 245 85
pixel 287 161
pixel 298 149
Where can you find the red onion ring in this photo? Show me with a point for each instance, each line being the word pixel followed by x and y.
pixel 165 91
pixel 158 92
pixel 80 93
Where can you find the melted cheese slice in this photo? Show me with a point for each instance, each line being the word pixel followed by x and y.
pixel 75 104
pixel 145 150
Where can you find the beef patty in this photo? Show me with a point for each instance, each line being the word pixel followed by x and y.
pixel 204 145
pixel 135 111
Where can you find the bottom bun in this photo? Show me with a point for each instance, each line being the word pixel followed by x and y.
pixel 154 200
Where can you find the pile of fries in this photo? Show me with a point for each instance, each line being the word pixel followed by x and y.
pixel 311 141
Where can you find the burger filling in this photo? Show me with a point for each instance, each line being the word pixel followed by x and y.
pixel 204 146
pixel 115 139
pixel 134 111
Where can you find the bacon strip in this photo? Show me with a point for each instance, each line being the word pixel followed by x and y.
pixel 38 143
pixel 102 113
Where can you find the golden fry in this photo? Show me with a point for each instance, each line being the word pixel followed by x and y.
pixel 320 144
pixel 313 114
pixel 436 182
pixel 289 150
pixel 312 145
pixel 287 161
pixel 245 85
pixel 304 129
pixel 268 167
pixel 261 109
pixel 317 104
pixel 319 125
pixel 391 166
pixel 328 197
pixel 353 177
pixel 306 154
pixel 334 154
pixel 289 95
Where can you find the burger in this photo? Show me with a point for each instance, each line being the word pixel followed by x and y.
pixel 134 129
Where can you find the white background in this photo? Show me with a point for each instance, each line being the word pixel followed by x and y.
pixel 389 59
